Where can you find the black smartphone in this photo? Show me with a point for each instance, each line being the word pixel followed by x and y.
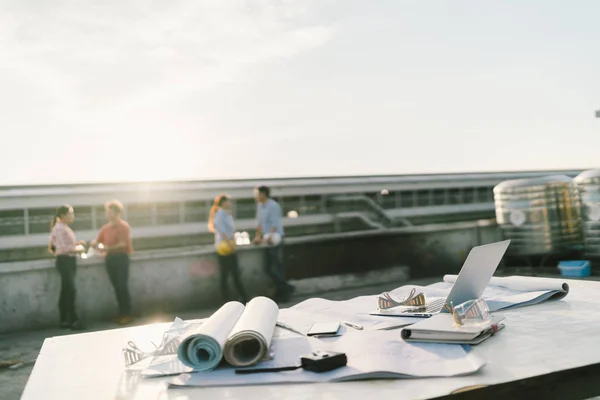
pixel 324 328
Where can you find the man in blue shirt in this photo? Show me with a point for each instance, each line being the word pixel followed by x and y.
pixel 269 221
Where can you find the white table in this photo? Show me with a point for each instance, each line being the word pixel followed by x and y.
pixel 548 338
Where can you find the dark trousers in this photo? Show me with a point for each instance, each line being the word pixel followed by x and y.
pixel 229 266
pixel 117 266
pixel 66 266
pixel 275 269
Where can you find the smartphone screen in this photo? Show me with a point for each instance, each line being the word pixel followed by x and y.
pixel 324 328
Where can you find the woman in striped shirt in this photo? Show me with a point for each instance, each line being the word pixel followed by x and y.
pixel 65 247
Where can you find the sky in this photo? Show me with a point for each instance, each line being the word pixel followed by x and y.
pixel 145 90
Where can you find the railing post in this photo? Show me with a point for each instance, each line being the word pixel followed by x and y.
pixel 323 205
pixel 182 212
pixel 337 227
pixel 94 217
pixel 26 220
pixel 154 215
pixel 301 206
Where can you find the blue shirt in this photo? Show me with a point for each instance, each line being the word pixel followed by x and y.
pixel 268 215
pixel 223 223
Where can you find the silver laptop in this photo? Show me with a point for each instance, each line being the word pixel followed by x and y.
pixel 474 276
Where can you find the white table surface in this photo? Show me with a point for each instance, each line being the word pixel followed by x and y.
pixel 540 339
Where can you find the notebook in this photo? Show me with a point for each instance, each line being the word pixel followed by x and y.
pixel 441 329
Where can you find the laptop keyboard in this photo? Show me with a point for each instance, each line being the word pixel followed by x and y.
pixel 436 305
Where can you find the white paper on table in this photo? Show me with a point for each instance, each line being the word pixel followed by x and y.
pixel 170 364
pixel 303 315
pixel 371 354
pixel 286 352
pixel 501 293
pixel 384 354
pixel 519 291
pixel 256 324
pixel 166 365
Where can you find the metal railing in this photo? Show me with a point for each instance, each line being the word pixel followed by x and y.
pixel 366 205
pixel 377 207
pixel 378 197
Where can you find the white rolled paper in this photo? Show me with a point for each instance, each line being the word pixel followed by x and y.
pixel 203 348
pixel 250 339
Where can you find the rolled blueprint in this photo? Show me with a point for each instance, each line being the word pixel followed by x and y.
pixel 526 284
pixel 250 339
pixel 202 349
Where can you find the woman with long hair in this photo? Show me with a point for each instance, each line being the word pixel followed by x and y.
pixel 220 222
pixel 65 248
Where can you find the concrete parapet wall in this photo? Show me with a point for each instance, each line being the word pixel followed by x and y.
pixel 182 279
pixel 429 250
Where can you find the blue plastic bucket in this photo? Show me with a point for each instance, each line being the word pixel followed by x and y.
pixel 575 268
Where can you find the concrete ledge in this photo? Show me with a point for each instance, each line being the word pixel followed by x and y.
pixel 20 266
pixel 393 276
pixel 188 278
pixel 187 229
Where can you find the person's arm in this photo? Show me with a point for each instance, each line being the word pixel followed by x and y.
pixel 99 239
pixel 275 217
pixel 50 249
pixel 258 236
pixel 259 233
pixel 219 224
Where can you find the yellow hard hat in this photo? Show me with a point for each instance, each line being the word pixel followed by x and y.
pixel 224 249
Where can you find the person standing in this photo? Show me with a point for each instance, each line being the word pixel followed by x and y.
pixel 64 246
pixel 221 224
pixel 114 241
pixel 269 221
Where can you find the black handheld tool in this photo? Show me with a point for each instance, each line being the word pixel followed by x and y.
pixel 322 361
pixel 317 361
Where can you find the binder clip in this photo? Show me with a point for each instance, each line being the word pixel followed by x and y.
pixel 132 355
pixel 385 301
pixel 472 312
